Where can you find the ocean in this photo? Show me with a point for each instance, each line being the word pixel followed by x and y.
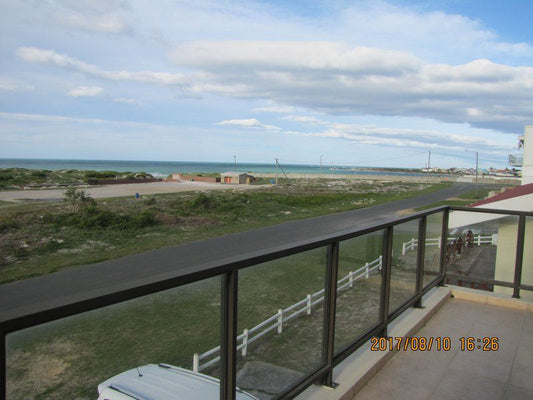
pixel 164 168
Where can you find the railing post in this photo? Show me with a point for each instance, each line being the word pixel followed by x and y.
pixel 443 243
pixel 309 303
pixel 280 320
pixel 385 279
pixel 196 362
pixel 330 303
pixel 380 262
pixel 228 345
pixel 244 342
pixel 3 366
pixel 367 273
pixel 351 278
pixel 420 256
pixel 519 255
pixel 439 244
pixel 403 249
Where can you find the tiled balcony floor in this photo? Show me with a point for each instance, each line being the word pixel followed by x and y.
pixel 439 375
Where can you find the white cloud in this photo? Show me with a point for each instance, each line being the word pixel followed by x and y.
pixel 12 85
pixel 85 91
pixel 305 119
pixel 333 78
pixel 105 23
pixel 247 123
pixel 275 109
pixel 50 57
pixel 126 100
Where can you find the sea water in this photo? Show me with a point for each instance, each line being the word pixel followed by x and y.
pixel 164 168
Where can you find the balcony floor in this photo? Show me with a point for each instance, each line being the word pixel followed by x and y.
pixel 439 375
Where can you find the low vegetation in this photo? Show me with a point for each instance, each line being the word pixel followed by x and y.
pixel 18 178
pixel 464 199
pixel 37 239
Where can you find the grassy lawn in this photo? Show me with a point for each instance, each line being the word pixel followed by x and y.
pixel 41 238
pixel 464 199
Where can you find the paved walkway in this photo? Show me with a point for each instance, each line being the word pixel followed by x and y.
pixel 439 375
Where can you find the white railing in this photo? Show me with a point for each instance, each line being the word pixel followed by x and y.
pixel 478 240
pixel 277 321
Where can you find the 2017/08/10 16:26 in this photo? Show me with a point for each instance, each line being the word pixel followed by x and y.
pixel 414 343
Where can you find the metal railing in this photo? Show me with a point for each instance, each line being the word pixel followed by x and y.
pixel 228 269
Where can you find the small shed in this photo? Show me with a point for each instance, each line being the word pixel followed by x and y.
pixel 235 178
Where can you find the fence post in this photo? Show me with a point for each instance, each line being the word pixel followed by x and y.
pixel 244 342
pixel 351 278
pixel 366 271
pixel 494 239
pixel 479 239
pixel 309 302
pixel 439 242
pixel 280 320
pixel 196 362
pixel 403 249
pixel 380 262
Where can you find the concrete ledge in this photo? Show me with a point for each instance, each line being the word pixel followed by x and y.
pixel 354 372
pixel 490 298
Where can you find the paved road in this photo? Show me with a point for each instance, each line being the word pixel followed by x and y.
pixel 80 283
pixel 129 189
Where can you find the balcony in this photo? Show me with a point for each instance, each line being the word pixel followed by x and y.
pixel 277 321
pixel 516 160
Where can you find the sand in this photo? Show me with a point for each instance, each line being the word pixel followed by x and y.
pixel 100 192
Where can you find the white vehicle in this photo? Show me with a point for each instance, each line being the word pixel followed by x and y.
pixel 163 382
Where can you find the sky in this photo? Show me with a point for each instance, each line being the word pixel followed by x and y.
pixel 364 83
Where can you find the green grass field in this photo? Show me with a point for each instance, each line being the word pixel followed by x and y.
pixel 41 238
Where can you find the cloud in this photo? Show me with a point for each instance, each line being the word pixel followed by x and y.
pixel 50 57
pixel 275 109
pixel 247 123
pixel 14 85
pixel 333 78
pixel 85 91
pixel 304 119
pixel 126 100
pixel 105 23
pixel 406 137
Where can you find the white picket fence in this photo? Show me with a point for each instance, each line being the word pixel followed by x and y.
pixel 277 321
pixel 478 240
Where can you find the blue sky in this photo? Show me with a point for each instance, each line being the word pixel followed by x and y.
pixel 376 83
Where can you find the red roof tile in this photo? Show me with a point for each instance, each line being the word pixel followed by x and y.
pixel 508 194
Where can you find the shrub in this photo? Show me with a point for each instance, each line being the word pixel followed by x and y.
pixel 78 199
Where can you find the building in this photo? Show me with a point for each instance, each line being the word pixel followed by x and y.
pixel 527 163
pixel 236 178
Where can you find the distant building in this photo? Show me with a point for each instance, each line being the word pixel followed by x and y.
pixel 194 178
pixel 236 178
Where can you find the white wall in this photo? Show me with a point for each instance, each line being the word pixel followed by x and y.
pixel 527 165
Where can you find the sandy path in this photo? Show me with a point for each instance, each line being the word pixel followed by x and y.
pixel 99 192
